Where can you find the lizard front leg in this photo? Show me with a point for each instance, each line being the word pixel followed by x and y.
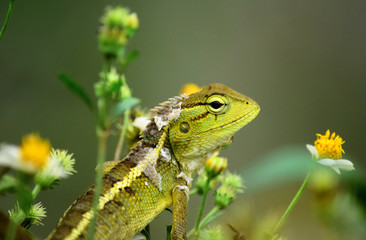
pixel 180 204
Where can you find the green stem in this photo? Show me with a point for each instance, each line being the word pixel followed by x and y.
pixel 36 190
pixel 121 139
pixel 209 215
pixel 13 225
pixel 10 9
pixel 102 143
pixel 204 197
pixel 291 206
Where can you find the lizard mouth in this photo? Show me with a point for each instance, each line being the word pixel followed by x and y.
pixel 249 117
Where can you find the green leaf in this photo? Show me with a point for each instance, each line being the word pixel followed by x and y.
pixel 8 184
pixel 206 221
pixel 280 167
pixel 146 232
pixel 125 104
pixel 76 89
pixel 25 197
pixel 130 57
pixel 168 232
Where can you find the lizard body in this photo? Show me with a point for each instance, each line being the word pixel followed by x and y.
pixel 156 174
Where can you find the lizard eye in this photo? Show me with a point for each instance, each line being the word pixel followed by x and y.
pixel 216 104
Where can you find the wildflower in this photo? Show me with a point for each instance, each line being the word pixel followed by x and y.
pixel 225 194
pixel 32 157
pixel 215 165
pixel 327 150
pixel 141 122
pixel 189 89
pixel 119 25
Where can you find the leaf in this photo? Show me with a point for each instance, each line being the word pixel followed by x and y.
pixel 168 232
pixel 7 184
pixel 280 167
pixel 130 57
pixel 25 197
pixel 146 232
pixel 125 104
pixel 206 221
pixel 76 89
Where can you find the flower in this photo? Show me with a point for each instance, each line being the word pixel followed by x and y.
pixel 215 165
pixel 141 122
pixel 189 89
pixel 327 150
pixel 32 156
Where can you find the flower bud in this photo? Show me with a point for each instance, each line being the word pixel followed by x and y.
pixel 215 165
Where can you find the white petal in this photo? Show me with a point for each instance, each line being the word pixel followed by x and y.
pixel 336 169
pixel 327 162
pixel 141 122
pixel 344 164
pixel 9 155
pixel 313 151
pixel 55 169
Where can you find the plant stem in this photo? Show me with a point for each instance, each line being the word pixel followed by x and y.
pixel 121 139
pixel 13 225
pixel 102 143
pixel 291 206
pixel 10 9
pixel 209 215
pixel 36 190
pixel 204 197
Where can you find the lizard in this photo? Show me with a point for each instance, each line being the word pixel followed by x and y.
pixel 157 172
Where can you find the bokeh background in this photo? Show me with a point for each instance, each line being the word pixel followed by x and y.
pixel 304 62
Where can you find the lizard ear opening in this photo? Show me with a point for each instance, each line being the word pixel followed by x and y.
pixel 184 127
pixel 217 104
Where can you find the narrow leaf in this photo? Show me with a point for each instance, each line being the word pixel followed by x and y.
pixel 7 184
pixel 206 221
pixel 125 104
pixel 168 232
pixel 76 89
pixel 130 57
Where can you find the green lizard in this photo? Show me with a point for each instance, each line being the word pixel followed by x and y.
pixel 156 174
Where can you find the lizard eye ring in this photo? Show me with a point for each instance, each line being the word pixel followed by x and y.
pixel 216 104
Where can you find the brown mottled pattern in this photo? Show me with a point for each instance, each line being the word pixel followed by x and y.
pixel 128 213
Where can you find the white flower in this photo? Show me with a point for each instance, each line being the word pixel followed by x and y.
pixel 10 156
pixel 141 122
pixel 335 164
pixel 33 156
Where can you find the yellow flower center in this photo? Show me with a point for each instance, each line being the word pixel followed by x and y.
pixel 35 150
pixel 329 145
pixel 190 88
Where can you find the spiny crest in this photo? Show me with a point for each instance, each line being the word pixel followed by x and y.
pixel 162 115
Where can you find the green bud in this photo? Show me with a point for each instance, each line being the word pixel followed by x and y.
pixel 215 165
pixel 125 90
pixel 118 26
pixel 201 183
pixel 225 194
pixel 211 233
pixel 34 216
pixel 109 85
pixel 61 166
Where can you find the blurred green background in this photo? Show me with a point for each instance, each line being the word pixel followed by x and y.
pixel 304 62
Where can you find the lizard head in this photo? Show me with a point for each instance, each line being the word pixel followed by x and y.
pixel 207 121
